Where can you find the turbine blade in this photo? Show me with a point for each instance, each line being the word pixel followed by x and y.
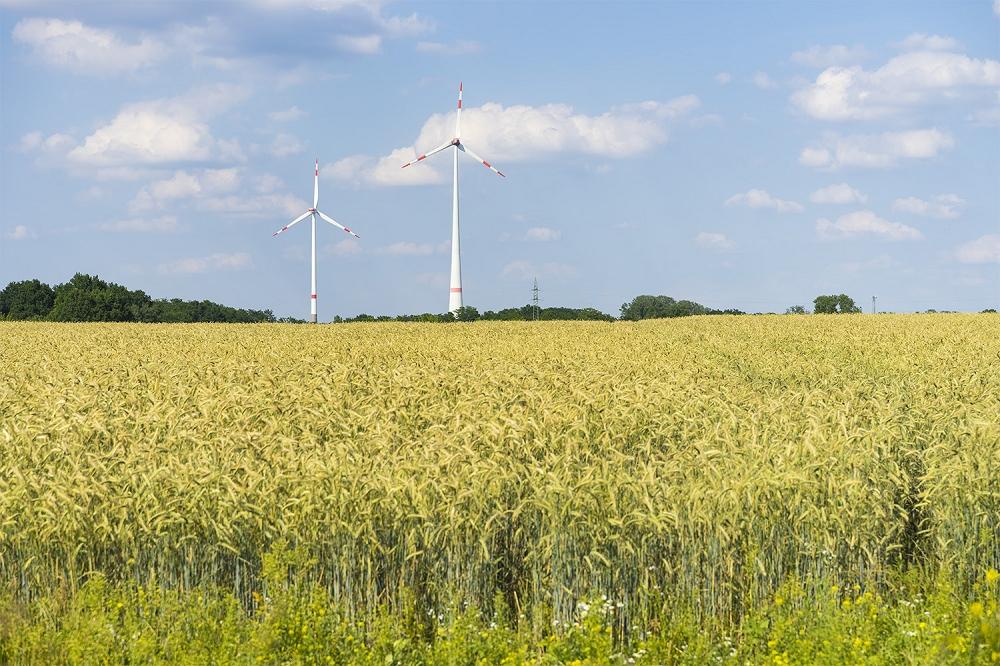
pixel 292 223
pixel 458 115
pixel 465 149
pixel 336 224
pixel 428 154
pixel 316 186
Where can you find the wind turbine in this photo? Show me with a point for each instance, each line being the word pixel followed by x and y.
pixel 455 295
pixel 313 212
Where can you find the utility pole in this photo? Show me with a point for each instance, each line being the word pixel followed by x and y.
pixel 534 301
pixel 873 305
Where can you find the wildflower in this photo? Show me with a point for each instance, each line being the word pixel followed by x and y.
pixel 976 609
pixel 991 576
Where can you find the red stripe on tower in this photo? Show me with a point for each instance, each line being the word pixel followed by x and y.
pixel 314 297
pixel 456 290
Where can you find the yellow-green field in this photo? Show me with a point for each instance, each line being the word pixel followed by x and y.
pixel 535 466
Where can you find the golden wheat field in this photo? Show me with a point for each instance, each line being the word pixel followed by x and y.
pixel 544 463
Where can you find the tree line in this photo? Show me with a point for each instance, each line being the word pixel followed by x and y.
pixel 89 298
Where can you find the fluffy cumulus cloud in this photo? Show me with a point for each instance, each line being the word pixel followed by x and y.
pixel 19 232
pixel 713 241
pixel 763 199
pixel 185 185
pixel 839 193
pixel 164 131
pixel 287 115
pixel 84 49
pixel 542 234
pixel 875 150
pixel 211 263
pixel 359 44
pixel 146 225
pixel 983 250
pixel 919 41
pixel 505 134
pixel 411 249
pixel 763 81
pixel 864 223
pixel 460 47
pixel 905 81
pixel 827 56
pixel 943 206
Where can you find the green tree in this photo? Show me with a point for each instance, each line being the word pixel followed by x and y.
pixel 29 299
pixel 796 309
pixel 656 307
pixel 835 304
pixel 466 313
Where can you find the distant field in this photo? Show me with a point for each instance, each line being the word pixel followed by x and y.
pixel 421 469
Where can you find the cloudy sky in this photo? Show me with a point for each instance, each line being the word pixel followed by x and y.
pixel 741 155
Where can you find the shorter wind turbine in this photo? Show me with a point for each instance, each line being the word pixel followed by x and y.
pixel 313 212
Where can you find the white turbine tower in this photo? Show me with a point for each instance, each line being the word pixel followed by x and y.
pixel 313 212
pixel 455 295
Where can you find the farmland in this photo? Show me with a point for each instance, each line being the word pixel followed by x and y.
pixel 667 472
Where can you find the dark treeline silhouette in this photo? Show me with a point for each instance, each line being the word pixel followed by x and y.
pixel 89 298
pixel 467 313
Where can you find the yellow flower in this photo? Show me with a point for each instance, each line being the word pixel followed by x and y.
pixel 778 600
pixel 976 609
pixel 991 576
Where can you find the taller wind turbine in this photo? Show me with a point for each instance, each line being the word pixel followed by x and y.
pixel 455 295
pixel 313 212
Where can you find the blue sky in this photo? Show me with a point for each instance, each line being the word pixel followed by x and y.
pixel 741 155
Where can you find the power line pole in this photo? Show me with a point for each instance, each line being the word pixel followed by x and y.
pixel 534 300
pixel 873 304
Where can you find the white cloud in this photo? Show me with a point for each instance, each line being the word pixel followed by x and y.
pixel 211 263
pixel 864 222
pixel 343 248
pixel 542 234
pixel 405 248
pixel 826 56
pixel 877 150
pixel 713 241
pixel 164 224
pixel 285 145
pixel 983 250
pixel 763 199
pixel 84 49
pixel 944 206
pixel 521 133
pixel 163 131
pixel 261 205
pixel 185 185
pixel 918 41
pixel 520 269
pixel 905 81
pixel 723 78
pixel 840 193
pixel 763 81
pixel 996 7
pixel 460 47
pixel 359 44
pixel 288 115
pixel 20 232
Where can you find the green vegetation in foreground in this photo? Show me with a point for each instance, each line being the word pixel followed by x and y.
pixel 912 623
